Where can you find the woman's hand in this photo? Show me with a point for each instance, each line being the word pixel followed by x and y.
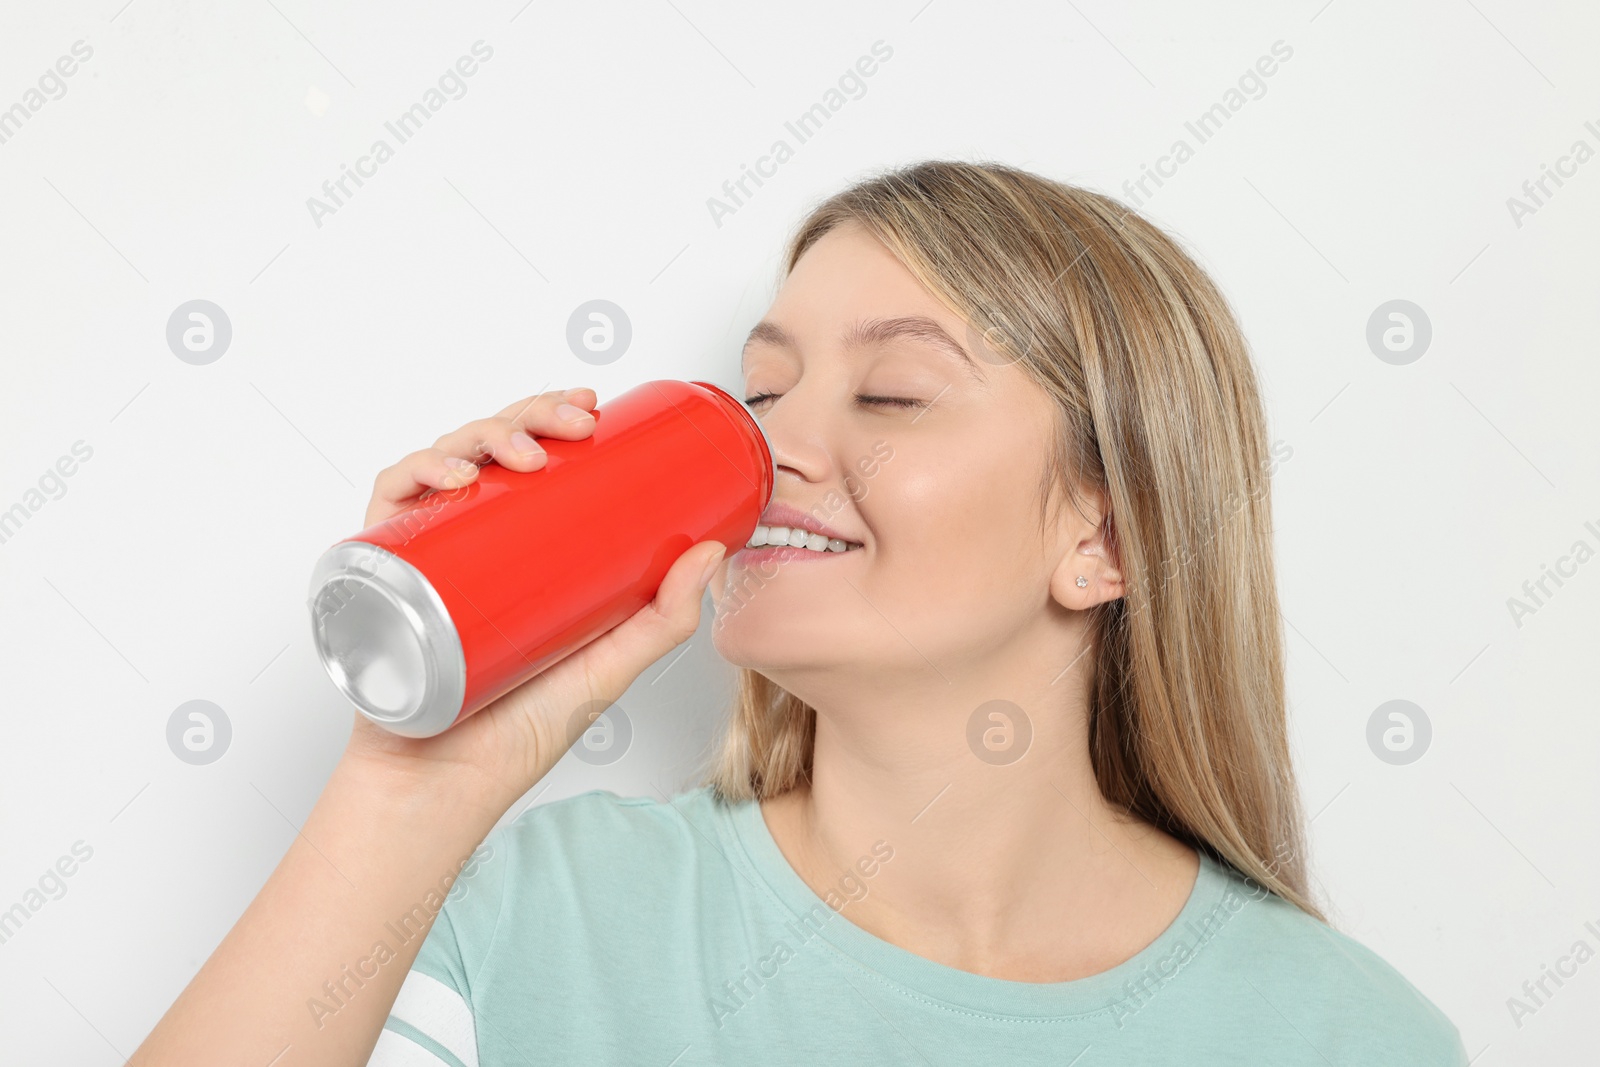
pixel 499 753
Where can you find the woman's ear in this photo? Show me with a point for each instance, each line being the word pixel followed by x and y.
pixel 1090 571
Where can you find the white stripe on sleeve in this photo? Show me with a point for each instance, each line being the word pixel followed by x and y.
pixel 392 1050
pixel 440 1012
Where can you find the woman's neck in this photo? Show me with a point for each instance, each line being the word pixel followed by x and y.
pixel 1016 870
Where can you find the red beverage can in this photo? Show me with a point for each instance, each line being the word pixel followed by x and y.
pixel 431 614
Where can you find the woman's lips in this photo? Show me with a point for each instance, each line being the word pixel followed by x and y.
pixel 790 517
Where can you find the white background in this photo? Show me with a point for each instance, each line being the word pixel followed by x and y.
pixel 1376 165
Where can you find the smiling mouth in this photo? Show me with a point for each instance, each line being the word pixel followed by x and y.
pixel 795 537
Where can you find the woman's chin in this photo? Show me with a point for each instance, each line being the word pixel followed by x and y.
pixel 765 644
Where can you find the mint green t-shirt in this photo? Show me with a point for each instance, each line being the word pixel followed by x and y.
pixel 608 930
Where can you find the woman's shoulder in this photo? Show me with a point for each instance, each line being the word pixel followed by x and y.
pixel 599 833
pixel 589 853
pixel 598 817
pixel 1319 979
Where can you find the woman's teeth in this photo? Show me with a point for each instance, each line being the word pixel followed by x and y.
pixel 797 538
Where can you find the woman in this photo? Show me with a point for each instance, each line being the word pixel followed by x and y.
pixel 1008 777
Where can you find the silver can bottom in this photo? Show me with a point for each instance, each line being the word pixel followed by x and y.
pixel 386 639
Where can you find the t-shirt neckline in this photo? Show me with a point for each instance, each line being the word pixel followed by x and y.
pixel 951 987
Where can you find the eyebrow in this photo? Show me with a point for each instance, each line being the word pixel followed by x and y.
pixel 875 332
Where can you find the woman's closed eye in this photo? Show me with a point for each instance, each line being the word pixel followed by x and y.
pixel 861 398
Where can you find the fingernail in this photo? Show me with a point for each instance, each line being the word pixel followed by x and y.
pixel 524 444
pixel 712 566
pixel 465 466
pixel 571 414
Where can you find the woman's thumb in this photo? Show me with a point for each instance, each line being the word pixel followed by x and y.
pixel 677 602
pixel 712 559
pixel 660 626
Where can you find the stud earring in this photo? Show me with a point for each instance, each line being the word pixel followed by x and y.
pixel 1082 581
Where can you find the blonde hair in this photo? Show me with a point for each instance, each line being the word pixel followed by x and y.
pixel 1156 405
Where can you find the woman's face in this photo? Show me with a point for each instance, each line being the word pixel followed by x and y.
pixel 929 459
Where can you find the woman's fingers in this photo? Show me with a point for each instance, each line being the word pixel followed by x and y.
pixel 501 439
pixel 581 397
pixel 399 485
pixel 564 414
pixel 507 438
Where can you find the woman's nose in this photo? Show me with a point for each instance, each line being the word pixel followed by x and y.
pixel 796 436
